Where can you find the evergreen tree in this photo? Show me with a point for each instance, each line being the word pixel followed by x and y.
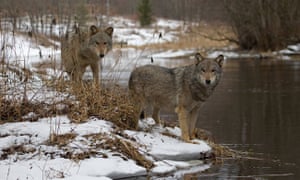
pixel 145 12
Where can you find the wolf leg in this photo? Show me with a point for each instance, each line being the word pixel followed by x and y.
pixel 77 74
pixel 140 105
pixel 95 69
pixel 193 121
pixel 183 123
pixel 194 111
pixel 155 114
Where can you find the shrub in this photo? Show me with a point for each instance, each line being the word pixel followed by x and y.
pixel 112 104
pixel 264 24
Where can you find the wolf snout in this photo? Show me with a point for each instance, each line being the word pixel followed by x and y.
pixel 207 81
pixel 101 55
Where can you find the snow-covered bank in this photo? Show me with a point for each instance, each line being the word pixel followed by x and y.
pixel 26 153
pixel 129 31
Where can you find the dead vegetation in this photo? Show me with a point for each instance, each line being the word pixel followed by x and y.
pixel 84 100
pixel 112 104
pixel 264 25
pixel 16 149
pixel 203 36
pixel 127 148
pixel 61 139
pixel 87 99
pixel 17 111
pixel 39 38
pixel 219 152
pixel 14 111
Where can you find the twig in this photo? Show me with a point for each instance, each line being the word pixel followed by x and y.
pixel 8 170
pixel 225 38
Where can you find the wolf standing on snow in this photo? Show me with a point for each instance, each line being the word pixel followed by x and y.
pixel 85 49
pixel 184 89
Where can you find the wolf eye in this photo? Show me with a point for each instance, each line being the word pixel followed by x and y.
pixel 97 43
pixel 104 43
pixel 213 70
pixel 203 70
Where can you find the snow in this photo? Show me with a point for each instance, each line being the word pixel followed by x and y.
pixel 23 50
pixel 78 177
pixel 44 161
pixel 114 167
pixel 143 36
pixel 173 53
pixel 168 153
pixel 164 147
pixel 290 50
pixel 129 32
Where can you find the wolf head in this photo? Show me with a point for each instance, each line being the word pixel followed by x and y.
pixel 100 41
pixel 208 71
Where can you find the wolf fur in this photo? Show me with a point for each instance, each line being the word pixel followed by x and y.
pixel 84 49
pixel 183 89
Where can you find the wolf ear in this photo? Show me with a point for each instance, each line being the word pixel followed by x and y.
pixel 199 58
pixel 109 31
pixel 93 30
pixel 220 60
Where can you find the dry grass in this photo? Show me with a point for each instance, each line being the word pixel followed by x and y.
pixel 13 111
pixel 82 155
pixel 16 111
pixel 15 149
pixel 132 152
pixel 39 38
pixel 84 100
pixel 202 36
pixel 112 104
pixel 219 151
pixel 124 146
pixel 61 139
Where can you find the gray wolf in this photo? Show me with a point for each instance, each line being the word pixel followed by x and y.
pixel 183 89
pixel 84 49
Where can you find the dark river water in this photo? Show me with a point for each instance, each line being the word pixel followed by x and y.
pixel 256 108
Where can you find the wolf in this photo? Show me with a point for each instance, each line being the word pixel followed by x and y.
pixel 84 49
pixel 182 89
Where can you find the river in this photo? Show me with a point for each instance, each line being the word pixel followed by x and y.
pixel 256 108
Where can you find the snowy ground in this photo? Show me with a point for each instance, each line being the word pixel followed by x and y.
pixel 43 161
pixel 24 149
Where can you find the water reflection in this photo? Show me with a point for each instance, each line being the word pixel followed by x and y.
pixel 256 107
